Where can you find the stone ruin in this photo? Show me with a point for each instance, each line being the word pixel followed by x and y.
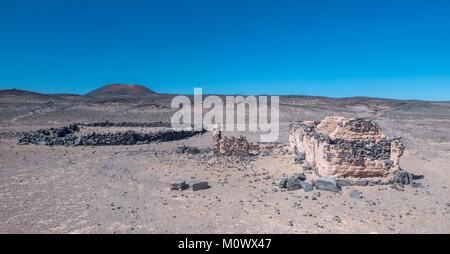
pixel 70 135
pixel 346 148
pixel 238 146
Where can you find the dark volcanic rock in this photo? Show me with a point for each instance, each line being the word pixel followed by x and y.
pixel 283 182
pixel 178 184
pixel 403 177
pixel 198 185
pixel 327 183
pixel 362 182
pixel 300 176
pixel 188 149
pixel 294 183
pixel 344 182
pixel 66 136
pixel 307 186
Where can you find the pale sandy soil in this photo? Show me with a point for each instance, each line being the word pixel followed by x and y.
pixel 124 189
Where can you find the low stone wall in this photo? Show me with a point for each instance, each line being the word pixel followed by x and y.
pixel 69 136
pixel 126 124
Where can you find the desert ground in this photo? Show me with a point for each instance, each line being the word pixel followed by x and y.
pixel 125 189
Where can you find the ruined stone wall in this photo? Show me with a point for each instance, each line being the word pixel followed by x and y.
pixel 70 136
pixel 346 148
pixel 231 145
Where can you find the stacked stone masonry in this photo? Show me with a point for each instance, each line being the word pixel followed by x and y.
pixel 346 148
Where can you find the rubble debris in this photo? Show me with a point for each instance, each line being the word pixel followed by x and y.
pixel 362 182
pixel 356 194
pixel 67 136
pixel 178 184
pixel 327 183
pixel 237 146
pixel 403 177
pixel 265 153
pixel 283 182
pixel 346 148
pixel 418 177
pixel 300 176
pixel 198 185
pixel 344 182
pixel 294 183
pixel 187 149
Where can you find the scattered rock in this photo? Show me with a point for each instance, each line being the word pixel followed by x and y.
pixel 187 149
pixel 327 183
pixel 283 182
pixel 362 182
pixel 178 184
pixel 77 141
pixel 294 183
pixel 300 176
pixel 265 153
pixel 398 187
pixel 344 182
pixel 403 177
pixel 418 177
pixel 337 219
pixel 199 185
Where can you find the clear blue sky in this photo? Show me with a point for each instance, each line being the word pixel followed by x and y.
pixel 378 48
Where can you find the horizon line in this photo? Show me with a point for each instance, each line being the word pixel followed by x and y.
pixel 223 94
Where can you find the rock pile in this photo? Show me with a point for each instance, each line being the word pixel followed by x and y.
pixel 195 185
pixel 236 146
pixel 346 148
pixel 67 136
pixel 403 177
pixel 299 181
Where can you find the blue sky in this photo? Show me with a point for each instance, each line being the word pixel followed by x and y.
pixel 391 49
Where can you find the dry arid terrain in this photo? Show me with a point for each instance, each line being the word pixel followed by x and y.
pixel 125 189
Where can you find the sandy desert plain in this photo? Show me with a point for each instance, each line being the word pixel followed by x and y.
pixel 125 188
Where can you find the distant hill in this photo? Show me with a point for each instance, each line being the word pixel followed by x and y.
pixel 121 89
pixel 18 92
